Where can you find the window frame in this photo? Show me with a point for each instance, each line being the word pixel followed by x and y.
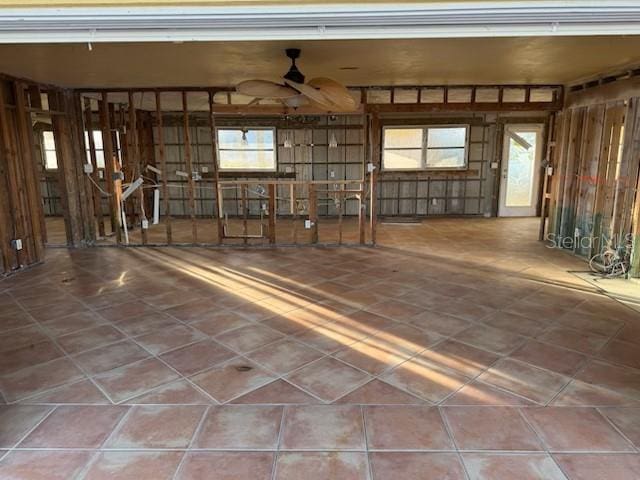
pixel 424 149
pixel 247 170
pixel 88 148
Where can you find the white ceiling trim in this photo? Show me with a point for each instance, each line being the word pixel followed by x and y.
pixel 328 22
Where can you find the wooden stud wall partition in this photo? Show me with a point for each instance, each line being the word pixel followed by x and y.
pixel 596 160
pixel 134 126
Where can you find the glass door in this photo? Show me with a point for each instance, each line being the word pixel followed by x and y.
pixel 521 160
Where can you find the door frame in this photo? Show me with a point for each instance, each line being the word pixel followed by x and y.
pixel 532 211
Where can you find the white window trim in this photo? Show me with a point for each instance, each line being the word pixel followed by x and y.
pixel 248 170
pixel 424 167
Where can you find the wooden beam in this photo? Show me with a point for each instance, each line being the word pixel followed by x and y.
pixel 609 92
pixel 629 168
pixel 551 135
pixel 97 198
pixel 189 162
pixel 374 142
pixel 30 176
pixel 272 213
pixel 313 212
pixel 68 183
pixel 216 169
pixel 464 107
pixel 110 164
pixel 163 165
pixel 136 165
pixel 12 218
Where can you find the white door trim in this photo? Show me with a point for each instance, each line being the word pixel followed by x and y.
pixel 529 211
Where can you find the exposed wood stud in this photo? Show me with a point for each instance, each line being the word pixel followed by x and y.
pixel 189 164
pixel 163 165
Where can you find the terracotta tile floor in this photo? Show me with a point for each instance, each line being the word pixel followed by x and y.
pixel 458 349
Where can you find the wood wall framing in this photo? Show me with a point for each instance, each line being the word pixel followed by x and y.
pixel 321 175
pixel 596 157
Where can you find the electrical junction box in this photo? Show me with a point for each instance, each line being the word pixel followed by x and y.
pixel 308 224
pixel 100 174
pixel 494 165
pixel 16 244
pixel 145 224
pixel 88 168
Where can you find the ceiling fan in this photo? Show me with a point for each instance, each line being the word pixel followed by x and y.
pixel 321 93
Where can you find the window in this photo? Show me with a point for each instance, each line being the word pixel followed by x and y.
pixel 50 157
pixel 97 140
pixel 246 149
pixel 425 148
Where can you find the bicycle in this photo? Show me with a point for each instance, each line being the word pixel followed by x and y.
pixel 612 262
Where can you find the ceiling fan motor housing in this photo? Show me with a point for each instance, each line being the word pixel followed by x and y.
pixel 294 74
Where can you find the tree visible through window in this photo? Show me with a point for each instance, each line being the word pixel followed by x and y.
pixel 425 148
pixel 246 149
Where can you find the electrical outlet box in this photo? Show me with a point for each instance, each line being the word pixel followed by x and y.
pixel 204 169
pixel 434 201
pixel 370 167
pixel 308 224
pixel 145 224
pixel 16 244
pixel 549 171
pixel 494 165
pixel 88 168
pixel 196 176
pixel 100 174
pixel 288 169
pixel 332 174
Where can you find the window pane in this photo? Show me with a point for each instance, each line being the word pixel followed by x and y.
pixel 50 159
pixel 446 137
pixel 49 143
pixel 521 171
pixel 100 158
pixel 445 158
pixel 254 139
pixel 403 138
pixel 402 159
pixel 97 139
pixel 247 160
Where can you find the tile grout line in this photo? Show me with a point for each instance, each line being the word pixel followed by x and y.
pixel 276 455
pixel 194 435
pixel 65 355
pixel 449 431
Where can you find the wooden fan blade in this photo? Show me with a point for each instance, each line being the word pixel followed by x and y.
pixel 336 93
pixel 265 89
